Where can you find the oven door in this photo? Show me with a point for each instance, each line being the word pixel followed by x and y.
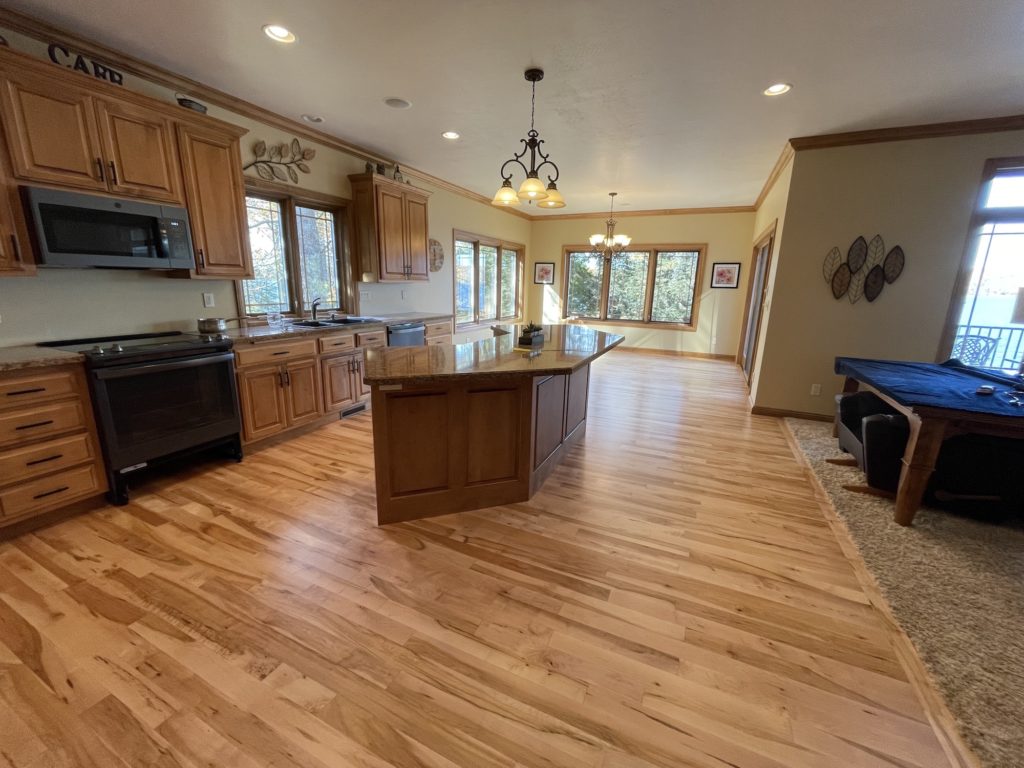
pixel 150 410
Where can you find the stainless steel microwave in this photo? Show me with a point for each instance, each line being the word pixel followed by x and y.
pixel 73 229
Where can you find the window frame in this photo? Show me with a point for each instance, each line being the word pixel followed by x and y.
pixel 653 249
pixel 502 245
pixel 980 217
pixel 290 199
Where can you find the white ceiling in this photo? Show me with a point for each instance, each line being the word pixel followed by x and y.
pixel 658 99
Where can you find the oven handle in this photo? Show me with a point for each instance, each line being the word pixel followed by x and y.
pixel 171 365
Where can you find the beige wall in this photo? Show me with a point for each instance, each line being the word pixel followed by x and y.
pixel 771 212
pixel 916 194
pixel 728 237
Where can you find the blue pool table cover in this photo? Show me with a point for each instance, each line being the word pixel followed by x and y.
pixel 950 384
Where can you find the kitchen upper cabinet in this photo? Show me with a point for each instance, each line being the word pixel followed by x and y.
pixel 215 194
pixel 52 132
pixel 15 252
pixel 141 152
pixel 389 229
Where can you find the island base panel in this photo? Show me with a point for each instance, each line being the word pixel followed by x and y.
pixel 472 442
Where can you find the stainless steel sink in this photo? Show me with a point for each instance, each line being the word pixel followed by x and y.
pixel 350 320
pixel 311 324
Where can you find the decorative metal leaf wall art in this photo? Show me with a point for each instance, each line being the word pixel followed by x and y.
pixel 865 272
pixel 280 162
pixel 857 254
pixel 893 264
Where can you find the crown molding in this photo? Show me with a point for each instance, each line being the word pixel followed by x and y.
pixel 909 132
pixel 785 157
pixel 651 212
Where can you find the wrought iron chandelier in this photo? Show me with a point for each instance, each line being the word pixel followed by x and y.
pixel 532 188
pixel 609 243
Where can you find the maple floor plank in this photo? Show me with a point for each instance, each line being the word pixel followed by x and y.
pixel 676 595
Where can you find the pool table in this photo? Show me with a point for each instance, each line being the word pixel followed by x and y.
pixel 939 400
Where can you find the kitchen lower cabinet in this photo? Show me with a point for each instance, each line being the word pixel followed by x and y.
pixel 261 397
pixel 339 382
pixel 302 392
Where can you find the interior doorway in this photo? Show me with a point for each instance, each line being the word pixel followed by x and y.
pixel 757 292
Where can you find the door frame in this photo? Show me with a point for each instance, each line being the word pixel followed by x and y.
pixel 766 238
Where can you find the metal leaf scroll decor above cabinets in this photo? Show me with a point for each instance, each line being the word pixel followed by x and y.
pixel 280 162
pixel 866 271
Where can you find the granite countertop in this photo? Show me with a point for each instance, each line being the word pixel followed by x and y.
pixel 566 348
pixel 288 331
pixel 27 356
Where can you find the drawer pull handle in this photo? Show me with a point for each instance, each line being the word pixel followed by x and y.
pixel 17 392
pixel 51 493
pixel 35 424
pixel 285 352
pixel 43 461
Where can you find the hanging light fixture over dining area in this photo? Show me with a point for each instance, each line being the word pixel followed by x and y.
pixel 532 190
pixel 609 243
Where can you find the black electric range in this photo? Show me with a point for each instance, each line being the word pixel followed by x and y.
pixel 159 396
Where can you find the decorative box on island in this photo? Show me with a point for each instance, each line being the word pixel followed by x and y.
pixel 531 335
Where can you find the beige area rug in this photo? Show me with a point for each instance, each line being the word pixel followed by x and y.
pixel 955 583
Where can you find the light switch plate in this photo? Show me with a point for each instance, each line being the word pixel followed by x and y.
pixel 208 300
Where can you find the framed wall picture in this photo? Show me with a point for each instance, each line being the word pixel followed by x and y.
pixel 725 274
pixel 544 273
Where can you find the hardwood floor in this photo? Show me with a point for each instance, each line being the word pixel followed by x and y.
pixel 674 596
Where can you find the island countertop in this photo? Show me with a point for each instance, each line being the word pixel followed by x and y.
pixel 565 349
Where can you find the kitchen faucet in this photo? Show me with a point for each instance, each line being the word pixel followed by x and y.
pixel 315 305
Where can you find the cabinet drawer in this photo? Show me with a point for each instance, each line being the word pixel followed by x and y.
pixel 433 341
pixel 336 343
pixel 27 424
pixel 32 388
pixel 39 459
pixel 439 328
pixel 272 353
pixel 49 492
pixel 372 339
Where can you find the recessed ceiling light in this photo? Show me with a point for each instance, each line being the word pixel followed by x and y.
pixel 778 89
pixel 279 33
pixel 312 118
pixel 450 135
pixel 397 103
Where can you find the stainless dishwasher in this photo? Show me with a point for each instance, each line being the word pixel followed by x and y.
pixel 407 335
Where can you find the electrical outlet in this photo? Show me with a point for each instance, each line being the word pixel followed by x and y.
pixel 364 295
pixel 815 389
pixel 403 294
pixel 208 300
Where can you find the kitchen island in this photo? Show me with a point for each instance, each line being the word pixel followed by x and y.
pixel 466 426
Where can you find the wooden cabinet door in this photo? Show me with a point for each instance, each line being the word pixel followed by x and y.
pixel 416 237
pixel 338 374
pixel 362 389
pixel 263 403
pixel 215 195
pixel 391 234
pixel 15 252
pixel 140 151
pixel 52 132
pixel 302 391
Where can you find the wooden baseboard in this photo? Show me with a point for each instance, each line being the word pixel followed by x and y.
pixel 678 353
pixel 782 413
pixel 290 434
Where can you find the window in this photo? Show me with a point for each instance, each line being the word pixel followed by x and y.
pixel 641 285
pixel 295 255
pixel 989 330
pixel 487 279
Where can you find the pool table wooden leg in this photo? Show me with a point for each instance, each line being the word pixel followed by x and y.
pixel 926 437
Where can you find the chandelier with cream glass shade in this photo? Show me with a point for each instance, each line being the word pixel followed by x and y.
pixel 532 189
pixel 610 243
